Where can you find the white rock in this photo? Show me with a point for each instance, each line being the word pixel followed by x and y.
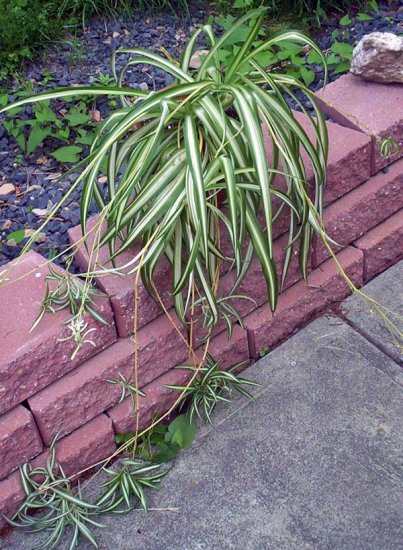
pixel 7 188
pixel 197 59
pixel 40 212
pixel 379 57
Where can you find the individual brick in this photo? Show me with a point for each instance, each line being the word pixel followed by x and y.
pixel 120 289
pixel 91 443
pixel 373 108
pixel 382 246
pixel 85 392
pixel 348 160
pixel 158 400
pixel 30 360
pixel 360 210
pixel 299 303
pixel 19 439
pixel 86 446
pixel 228 350
pixel 11 497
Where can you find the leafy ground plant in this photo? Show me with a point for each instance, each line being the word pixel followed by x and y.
pixel 72 125
pixel 126 486
pixel 211 386
pixel 66 291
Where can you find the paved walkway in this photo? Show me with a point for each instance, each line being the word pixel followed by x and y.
pixel 314 464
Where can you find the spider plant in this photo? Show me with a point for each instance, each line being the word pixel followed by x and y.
pixel 128 482
pixel 210 386
pixel 49 492
pixel 66 291
pixel 187 167
pixel 127 388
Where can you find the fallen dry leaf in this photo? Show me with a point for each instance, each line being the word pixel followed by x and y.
pixel 42 160
pixel 6 224
pixel 116 34
pixel 54 176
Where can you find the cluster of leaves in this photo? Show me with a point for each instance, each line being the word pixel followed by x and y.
pixel 211 386
pixel 66 291
pixel 72 126
pixel 126 486
pixel 286 57
pixel 291 58
pixel 164 441
pixel 61 506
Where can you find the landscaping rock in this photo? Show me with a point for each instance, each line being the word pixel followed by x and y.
pixel 379 57
pixel 7 188
pixel 197 59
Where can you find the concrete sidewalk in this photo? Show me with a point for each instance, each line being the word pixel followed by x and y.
pixel 315 463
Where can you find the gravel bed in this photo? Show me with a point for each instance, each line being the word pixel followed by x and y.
pixel 33 177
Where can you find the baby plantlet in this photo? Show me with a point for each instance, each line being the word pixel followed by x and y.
pixel 61 507
pixel 126 485
pixel 211 386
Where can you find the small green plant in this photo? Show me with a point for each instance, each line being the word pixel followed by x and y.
pixel 50 493
pixel 76 55
pixel 389 147
pixel 264 351
pixel 163 442
pixel 104 79
pixel 74 125
pixel 66 291
pixel 126 486
pixel 127 388
pixel 211 386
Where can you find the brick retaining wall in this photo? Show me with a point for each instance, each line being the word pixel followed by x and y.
pixel 43 391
